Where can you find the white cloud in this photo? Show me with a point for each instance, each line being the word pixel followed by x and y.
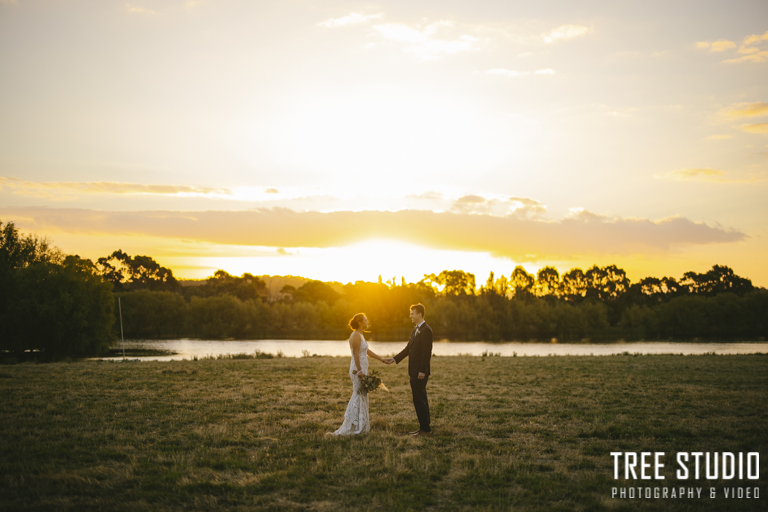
pixel 564 32
pixel 350 19
pixel 547 71
pixel 422 41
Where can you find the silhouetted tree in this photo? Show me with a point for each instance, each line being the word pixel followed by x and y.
pixel 573 287
pixel 58 310
pixel 148 314
pixel 547 282
pixel 522 283
pixel 316 291
pixel 720 279
pixel 453 282
pixel 606 283
pixel 246 287
pixel 136 273
pixel 18 251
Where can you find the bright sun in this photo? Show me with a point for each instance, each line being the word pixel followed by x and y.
pixel 364 261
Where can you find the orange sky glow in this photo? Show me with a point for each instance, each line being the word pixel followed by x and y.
pixel 342 142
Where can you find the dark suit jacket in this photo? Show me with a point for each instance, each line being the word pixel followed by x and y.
pixel 419 349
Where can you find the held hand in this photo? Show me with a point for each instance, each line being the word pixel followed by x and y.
pixel 389 360
pixel 421 376
pixel 361 374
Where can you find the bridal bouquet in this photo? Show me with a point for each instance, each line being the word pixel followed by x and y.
pixel 370 382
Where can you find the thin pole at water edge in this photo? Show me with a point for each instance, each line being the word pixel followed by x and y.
pixel 120 309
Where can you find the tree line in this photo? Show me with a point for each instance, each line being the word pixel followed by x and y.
pixel 51 303
pixel 65 304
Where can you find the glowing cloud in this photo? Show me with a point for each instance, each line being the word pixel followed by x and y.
pixel 55 189
pixel 748 50
pixel 470 199
pixel 695 174
pixel 754 39
pixel 512 236
pixel 139 10
pixel 760 56
pixel 756 128
pixel 564 32
pixel 747 110
pixel 717 46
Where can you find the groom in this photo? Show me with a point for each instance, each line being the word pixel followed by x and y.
pixel 419 349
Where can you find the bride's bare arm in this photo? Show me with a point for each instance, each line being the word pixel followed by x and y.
pixel 370 353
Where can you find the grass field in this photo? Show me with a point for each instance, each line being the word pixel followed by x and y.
pixel 517 433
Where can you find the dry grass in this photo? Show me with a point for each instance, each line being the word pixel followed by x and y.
pixel 516 433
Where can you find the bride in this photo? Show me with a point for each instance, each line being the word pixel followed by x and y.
pixel 356 416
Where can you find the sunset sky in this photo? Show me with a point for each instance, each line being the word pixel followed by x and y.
pixel 342 140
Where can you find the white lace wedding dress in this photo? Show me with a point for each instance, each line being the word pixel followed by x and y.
pixel 356 419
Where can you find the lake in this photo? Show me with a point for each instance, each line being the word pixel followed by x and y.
pixel 190 348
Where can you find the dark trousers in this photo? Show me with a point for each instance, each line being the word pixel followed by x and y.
pixel 420 403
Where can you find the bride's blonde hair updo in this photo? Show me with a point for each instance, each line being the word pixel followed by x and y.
pixel 356 321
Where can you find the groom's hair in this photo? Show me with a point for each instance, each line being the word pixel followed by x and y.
pixel 419 309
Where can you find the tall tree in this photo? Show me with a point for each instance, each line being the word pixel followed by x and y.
pixel 58 310
pixel 606 283
pixel 136 273
pixel 574 285
pixel 522 283
pixel 18 251
pixel 454 282
pixel 245 287
pixel 719 279
pixel 316 291
pixel 547 282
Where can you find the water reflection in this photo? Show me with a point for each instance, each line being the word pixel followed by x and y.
pixel 188 349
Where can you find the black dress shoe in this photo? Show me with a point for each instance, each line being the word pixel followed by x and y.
pixel 414 432
pixel 422 433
